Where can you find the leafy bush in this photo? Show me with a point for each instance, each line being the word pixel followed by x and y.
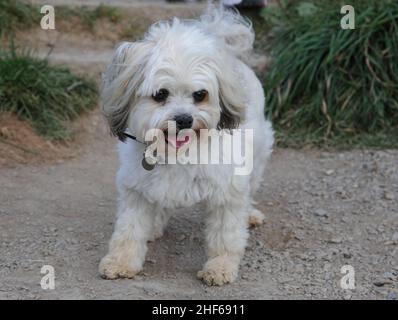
pixel 47 96
pixel 329 85
pixel 88 16
pixel 15 14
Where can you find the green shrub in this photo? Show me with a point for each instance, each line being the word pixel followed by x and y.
pixel 326 85
pixel 16 14
pixel 88 16
pixel 47 96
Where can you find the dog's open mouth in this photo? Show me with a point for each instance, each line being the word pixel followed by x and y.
pixel 177 141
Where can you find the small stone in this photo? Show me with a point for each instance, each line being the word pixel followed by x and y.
pixel 388 195
pixel 389 275
pixel 335 240
pixel 321 213
pixel 381 282
pixel 348 296
pixel 391 296
pixel 345 219
pixel 347 255
pixel 284 280
pixel 329 172
pixel 259 243
pixel 181 238
pixel 395 236
pixel 302 256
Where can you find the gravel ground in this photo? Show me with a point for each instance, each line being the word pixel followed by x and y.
pixel 324 210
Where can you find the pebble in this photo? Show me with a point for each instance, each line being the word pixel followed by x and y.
pixel 391 296
pixel 302 256
pixel 347 255
pixel 348 296
pixel 329 172
pixel 381 282
pixel 181 238
pixel 335 240
pixel 321 213
pixel 389 275
pixel 388 195
pixel 259 243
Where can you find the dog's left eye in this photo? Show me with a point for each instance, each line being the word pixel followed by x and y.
pixel 161 95
pixel 199 96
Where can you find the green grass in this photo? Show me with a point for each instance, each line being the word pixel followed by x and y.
pixel 15 14
pixel 49 97
pixel 88 16
pixel 328 86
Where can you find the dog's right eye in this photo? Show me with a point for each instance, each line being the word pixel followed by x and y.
pixel 161 95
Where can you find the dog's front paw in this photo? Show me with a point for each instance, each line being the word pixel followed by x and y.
pixel 157 234
pixel 219 270
pixel 113 267
pixel 256 218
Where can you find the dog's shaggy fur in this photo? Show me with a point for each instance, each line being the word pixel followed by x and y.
pixel 184 57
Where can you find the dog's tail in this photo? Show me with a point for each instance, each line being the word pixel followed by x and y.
pixel 229 26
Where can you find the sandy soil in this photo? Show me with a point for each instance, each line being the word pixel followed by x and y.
pixel 324 209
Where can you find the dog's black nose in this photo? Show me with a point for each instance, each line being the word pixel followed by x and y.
pixel 183 121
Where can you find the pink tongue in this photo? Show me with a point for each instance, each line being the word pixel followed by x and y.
pixel 178 143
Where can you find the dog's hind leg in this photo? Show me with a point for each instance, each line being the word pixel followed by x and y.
pixel 262 150
pixel 159 223
pixel 256 217
pixel 128 245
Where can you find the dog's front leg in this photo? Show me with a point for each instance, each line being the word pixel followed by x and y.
pixel 128 245
pixel 226 237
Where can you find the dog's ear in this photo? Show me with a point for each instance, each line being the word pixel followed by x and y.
pixel 230 118
pixel 120 83
pixel 232 104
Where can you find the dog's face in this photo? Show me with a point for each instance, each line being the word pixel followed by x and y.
pixel 181 92
pixel 176 75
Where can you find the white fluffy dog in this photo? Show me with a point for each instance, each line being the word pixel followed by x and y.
pixel 191 72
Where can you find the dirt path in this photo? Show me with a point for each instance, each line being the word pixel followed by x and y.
pixel 324 210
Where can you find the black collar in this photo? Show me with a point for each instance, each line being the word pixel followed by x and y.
pixel 126 135
pixel 147 166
